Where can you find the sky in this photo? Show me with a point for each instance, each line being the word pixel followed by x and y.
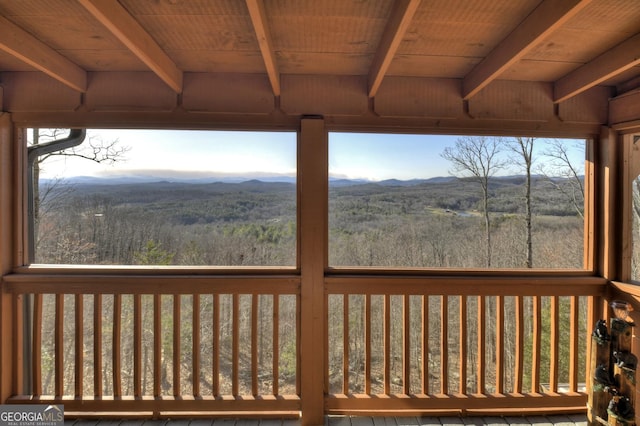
pixel 193 153
pixel 379 156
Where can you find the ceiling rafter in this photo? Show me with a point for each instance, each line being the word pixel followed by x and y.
pixel 124 26
pixel 401 16
pixel 546 18
pixel 25 47
pixel 611 63
pixel 259 21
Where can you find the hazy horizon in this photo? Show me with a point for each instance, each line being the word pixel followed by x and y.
pixel 192 154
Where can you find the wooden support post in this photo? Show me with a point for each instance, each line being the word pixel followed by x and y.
pixel 7 195
pixel 313 258
pixel 608 205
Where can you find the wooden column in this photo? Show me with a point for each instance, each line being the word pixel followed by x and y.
pixel 607 204
pixel 6 254
pixel 630 170
pixel 313 181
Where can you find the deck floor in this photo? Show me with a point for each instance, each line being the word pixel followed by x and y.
pixel 555 420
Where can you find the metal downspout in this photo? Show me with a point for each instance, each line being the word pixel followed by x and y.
pixel 75 138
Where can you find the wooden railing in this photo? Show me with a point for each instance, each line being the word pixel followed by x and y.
pixel 158 347
pixel 458 346
pixel 167 346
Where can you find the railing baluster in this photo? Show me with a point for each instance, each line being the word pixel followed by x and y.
pixel 482 355
pixel 367 344
pixel 345 344
pixel 137 345
pixel 59 345
pixel 519 342
pixel 346 332
pixel 97 345
pixel 573 346
pixel 195 348
pixel 117 345
pixel 499 344
pixel 387 344
pixel 591 320
pixel 327 343
pixel 17 353
pixel 298 320
pixel 157 345
pixel 254 344
pixel 79 356
pixel 36 347
pixel 462 372
pixel 276 345
pixel 215 355
pixel 535 350
pixel 554 337
pixel 406 343
pixel 444 345
pixel 177 386
pixel 235 346
pixel 425 344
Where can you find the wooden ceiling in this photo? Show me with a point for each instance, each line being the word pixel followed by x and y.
pixel 569 46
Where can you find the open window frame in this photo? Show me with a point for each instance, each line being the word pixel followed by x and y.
pixel 252 184
pixel 588 248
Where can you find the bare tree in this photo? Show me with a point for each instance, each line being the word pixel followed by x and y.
pixel 523 147
pixel 94 148
pixel 562 172
pixel 477 157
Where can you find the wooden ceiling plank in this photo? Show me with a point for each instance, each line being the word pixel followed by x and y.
pixel 259 21
pixel 401 17
pixel 611 63
pixel 25 47
pixel 124 26
pixel 546 18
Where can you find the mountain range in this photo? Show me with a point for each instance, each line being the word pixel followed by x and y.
pixel 137 179
pixel 334 182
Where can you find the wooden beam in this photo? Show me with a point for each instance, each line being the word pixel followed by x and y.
pixel 611 63
pixel 22 45
pixel 124 26
pixel 625 109
pixel 259 21
pixel 401 16
pixel 546 18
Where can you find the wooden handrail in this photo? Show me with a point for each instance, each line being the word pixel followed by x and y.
pixel 414 344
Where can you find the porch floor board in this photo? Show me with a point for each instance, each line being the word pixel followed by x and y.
pixel 555 420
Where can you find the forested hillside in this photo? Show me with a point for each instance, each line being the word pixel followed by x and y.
pixel 248 223
pixel 421 223
pixel 438 223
